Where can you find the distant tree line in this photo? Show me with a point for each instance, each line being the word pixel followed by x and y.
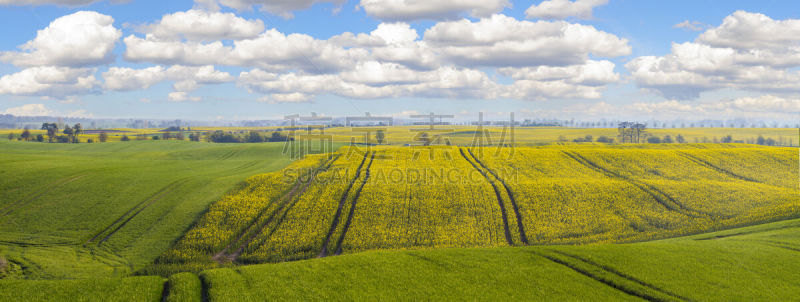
pixel 220 136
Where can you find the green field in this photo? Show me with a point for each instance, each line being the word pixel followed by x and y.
pixel 88 210
pixel 756 263
pixel 195 221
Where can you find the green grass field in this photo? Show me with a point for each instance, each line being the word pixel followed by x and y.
pixel 88 210
pixel 179 221
pixel 757 263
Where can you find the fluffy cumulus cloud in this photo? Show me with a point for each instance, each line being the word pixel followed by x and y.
pixel 81 39
pixel 450 59
pixel 409 10
pixel 282 8
pixel 560 9
pixel 203 25
pixel 749 51
pixel 376 80
pixel 50 81
pixel 271 50
pixel 185 78
pixel 586 81
pixel 504 41
pixel 29 110
pixel 546 59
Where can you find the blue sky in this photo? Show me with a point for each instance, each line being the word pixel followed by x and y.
pixel 715 81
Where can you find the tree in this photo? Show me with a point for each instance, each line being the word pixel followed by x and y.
pixel 632 132
pixel 69 132
pixel 277 137
pixel 26 135
pixel 51 129
pixel 761 140
pixel 254 137
pixel 124 138
pixel 166 135
pixel 380 136
pixel 654 140
pixel 668 139
pixel 77 129
pixel 680 139
pixel 727 139
pixel 179 136
pixel 10 136
pixel 605 139
pixel 102 137
pixel 39 138
pixel 220 136
pixel 588 139
pixel 156 137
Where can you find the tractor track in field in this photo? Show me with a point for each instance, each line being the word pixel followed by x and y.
pixel 708 164
pixel 353 207
pixel 34 196
pixel 659 196
pixel 497 194
pixel 285 204
pixel 245 166
pixel 661 295
pixel 520 224
pixel 228 155
pixel 336 216
pixel 134 211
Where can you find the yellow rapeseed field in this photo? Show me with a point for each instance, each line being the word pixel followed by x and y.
pixel 392 197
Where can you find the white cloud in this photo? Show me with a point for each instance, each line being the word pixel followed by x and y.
pixel 84 38
pixel 586 81
pixel 49 81
pixel 376 80
pixel 560 9
pixel 505 41
pixel 122 78
pixel 546 60
pixel 690 25
pixel 409 10
pixel 186 78
pixel 181 96
pixel 282 8
pixel 759 107
pixel 747 52
pixel 745 30
pixel 395 33
pixel 271 50
pixel 295 97
pixel 201 25
pixel 29 110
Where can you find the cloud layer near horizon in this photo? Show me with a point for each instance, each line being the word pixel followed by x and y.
pixel 471 49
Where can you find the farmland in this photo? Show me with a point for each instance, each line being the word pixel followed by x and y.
pixel 444 197
pixel 187 220
pixel 458 135
pixel 751 263
pixel 81 210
